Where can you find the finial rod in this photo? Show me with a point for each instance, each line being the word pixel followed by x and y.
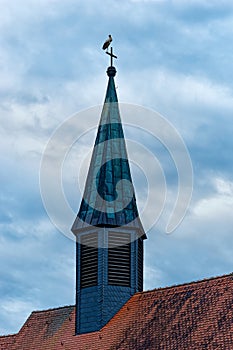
pixel 111 55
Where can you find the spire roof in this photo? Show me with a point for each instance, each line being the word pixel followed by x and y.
pixel 109 198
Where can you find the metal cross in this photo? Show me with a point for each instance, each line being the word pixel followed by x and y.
pixel 111 54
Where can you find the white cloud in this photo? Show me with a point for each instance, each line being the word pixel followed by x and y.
pixel 13 312
pixel 217 209
pixel 176 89
pixel 49 58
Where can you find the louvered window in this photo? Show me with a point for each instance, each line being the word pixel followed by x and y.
pixel 140 264
pixel 89 260
pixel 119 249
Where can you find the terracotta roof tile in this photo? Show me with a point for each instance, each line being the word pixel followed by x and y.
pixel 7 341
pixel 195 316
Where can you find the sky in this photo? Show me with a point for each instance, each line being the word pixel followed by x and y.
pixel 174 58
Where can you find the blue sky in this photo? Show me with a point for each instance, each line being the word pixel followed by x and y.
pixel 175 57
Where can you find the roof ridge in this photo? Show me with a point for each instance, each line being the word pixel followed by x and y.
pixel 53 309
pixel 185 284
pixel 8 335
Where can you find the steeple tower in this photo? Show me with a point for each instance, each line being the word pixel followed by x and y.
pixel 108 230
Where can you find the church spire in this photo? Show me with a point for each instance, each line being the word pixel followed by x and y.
pixel 109 234
pixel 109 198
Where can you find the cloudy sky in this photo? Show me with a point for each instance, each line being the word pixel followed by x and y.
pixel 174 57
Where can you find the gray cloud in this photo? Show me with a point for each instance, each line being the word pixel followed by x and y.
pixel 174 59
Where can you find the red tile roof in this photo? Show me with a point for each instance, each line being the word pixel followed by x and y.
pixel 195 316
pixel 7 341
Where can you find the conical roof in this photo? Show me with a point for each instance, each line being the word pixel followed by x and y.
pixel 109 198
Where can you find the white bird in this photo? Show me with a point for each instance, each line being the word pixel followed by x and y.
pixel 107 42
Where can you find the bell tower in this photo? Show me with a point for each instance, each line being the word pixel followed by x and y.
pixel 108 230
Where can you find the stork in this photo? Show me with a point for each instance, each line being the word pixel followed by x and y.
pixel 107 42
